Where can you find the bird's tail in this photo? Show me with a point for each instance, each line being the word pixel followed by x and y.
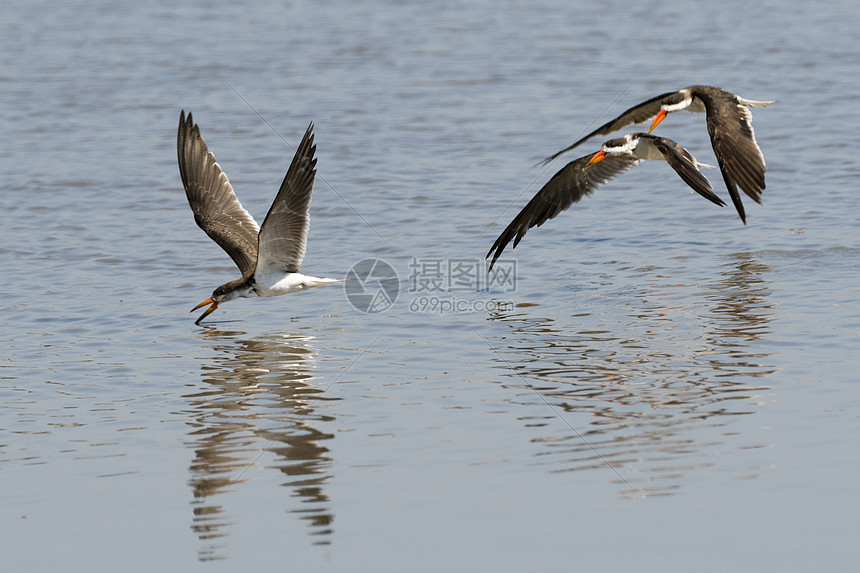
pixel 317 282
pixel 755 103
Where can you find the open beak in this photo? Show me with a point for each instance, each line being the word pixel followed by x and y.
pixel 209 310
pixel 597 157
pixel 661 115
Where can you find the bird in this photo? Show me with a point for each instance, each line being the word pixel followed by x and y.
pixel 581 176
pixel 729 124
pixel 268 255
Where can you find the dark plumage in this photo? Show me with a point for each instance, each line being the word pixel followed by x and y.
pixel 729 124
pixel 216 208
pixel 581 176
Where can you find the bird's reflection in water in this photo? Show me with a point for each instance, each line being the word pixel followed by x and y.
pixel 649 387
pixel 740 314
pixel 257 407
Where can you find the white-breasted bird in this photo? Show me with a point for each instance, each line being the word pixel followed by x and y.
pixel 268 255
pixel 581 176
pixel 729 124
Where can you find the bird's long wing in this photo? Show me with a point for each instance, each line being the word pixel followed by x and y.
pixel 733 139
pixel 637 114
pixel 284 233
pixel 733 192
pixel 575 180
pixel 684 165
pixel 216 209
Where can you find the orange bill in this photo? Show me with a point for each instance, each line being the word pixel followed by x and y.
pixel 597 157
pixel 209 310
pixel 661 115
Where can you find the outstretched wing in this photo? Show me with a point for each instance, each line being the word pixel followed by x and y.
pixel 284 233
pixel 216 209
pixel 636 114
pixel 575 180
pixel 684 165
pixel 733 139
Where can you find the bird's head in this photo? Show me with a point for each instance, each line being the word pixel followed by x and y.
pixel 223 293
pixel 682 99
pixel 619 146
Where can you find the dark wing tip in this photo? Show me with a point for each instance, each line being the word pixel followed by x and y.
pixel 186 122
pixel 499 247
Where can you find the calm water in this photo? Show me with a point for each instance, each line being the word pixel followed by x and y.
pixel 652 386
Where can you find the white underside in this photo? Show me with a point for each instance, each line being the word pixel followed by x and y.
pixel 278 284
pixel 645 149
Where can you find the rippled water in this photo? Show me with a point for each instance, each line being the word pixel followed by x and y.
pixel 653 386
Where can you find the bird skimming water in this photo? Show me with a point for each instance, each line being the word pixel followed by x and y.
pixel 268 255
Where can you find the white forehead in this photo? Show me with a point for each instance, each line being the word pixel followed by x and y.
pixel 624 144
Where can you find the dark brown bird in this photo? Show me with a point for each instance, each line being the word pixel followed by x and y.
pixel 268 255
pixel 729 123
pixel 581 176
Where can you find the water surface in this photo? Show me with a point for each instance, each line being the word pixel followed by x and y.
pixel 658 386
